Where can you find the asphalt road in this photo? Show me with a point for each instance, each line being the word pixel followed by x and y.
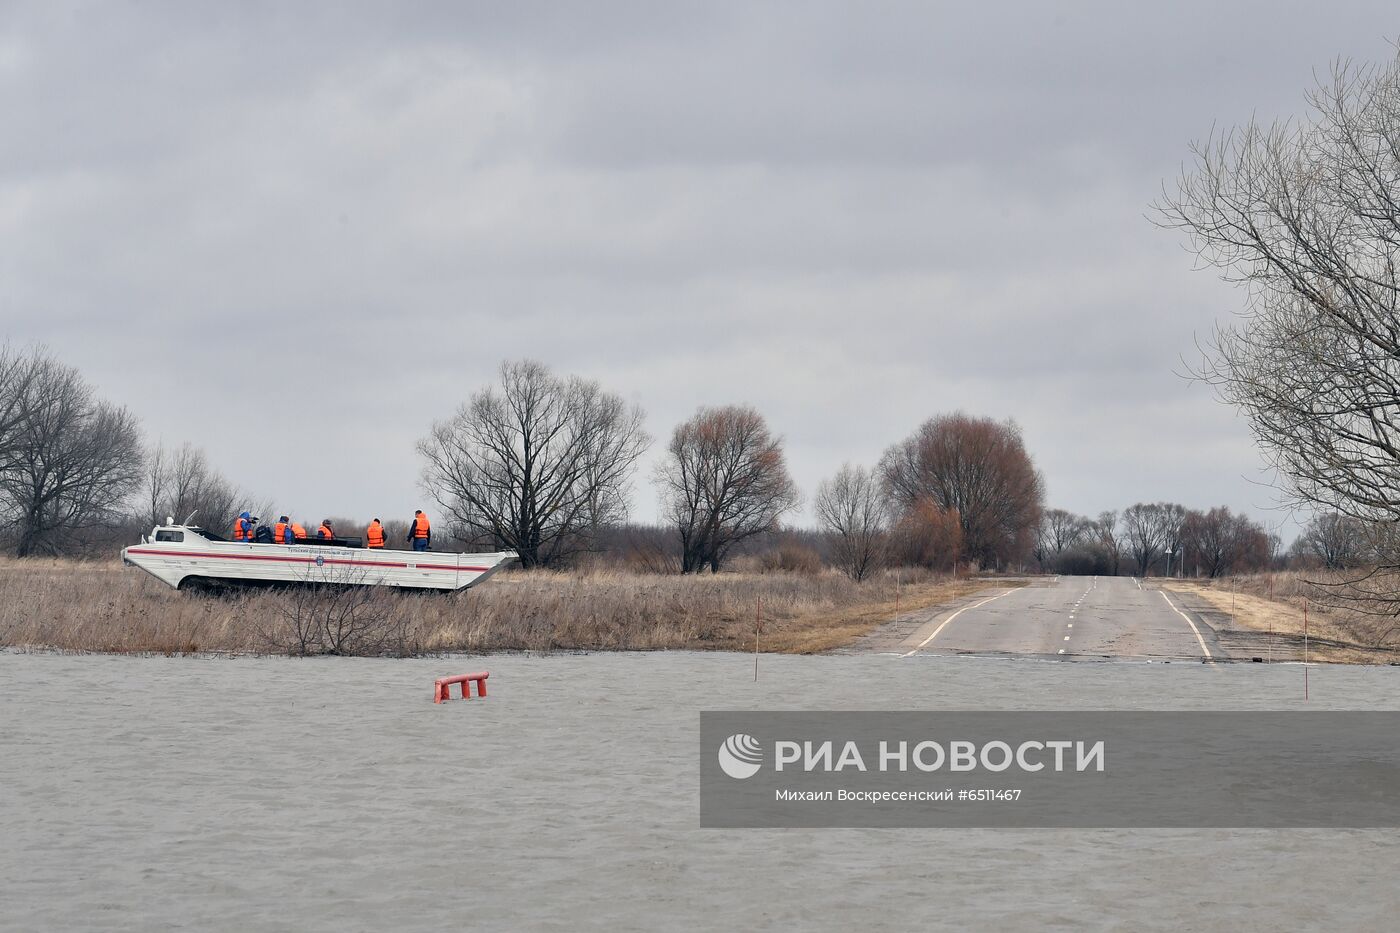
pixel 1069 618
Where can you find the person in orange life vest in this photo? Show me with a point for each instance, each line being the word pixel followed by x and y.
pixel 243 527
pixel 282 531
pixel 325 532
pixel 298 532
pixel 420 532
pixel 374 534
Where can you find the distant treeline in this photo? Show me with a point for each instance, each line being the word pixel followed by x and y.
pixel 545 464
pixel 1160 538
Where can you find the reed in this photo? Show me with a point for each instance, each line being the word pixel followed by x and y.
pixel 103 607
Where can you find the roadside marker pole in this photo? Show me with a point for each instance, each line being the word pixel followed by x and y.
pixel 1305 647
pixel 757 625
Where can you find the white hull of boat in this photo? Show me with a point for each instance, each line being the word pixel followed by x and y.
pixel 181 557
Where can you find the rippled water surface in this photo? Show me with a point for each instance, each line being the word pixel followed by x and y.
pixel 330 794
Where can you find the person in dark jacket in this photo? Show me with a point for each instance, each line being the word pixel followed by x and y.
pixel 420 533
pixel 325 532
pixel 374 535
pixel 243 527
pixel 282 533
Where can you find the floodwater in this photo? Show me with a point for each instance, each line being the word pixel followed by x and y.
pixel 331 794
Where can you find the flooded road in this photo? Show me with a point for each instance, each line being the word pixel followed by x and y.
pixel 330 794
pixel 1065 618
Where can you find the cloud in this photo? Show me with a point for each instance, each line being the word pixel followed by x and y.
pixel 295 235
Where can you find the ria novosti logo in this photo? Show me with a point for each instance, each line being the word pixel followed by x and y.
pixel 741 756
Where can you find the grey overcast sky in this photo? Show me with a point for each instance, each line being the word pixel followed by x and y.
pixel 295 234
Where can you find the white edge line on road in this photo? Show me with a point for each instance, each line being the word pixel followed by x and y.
pixel 1201 641
pixel 940 628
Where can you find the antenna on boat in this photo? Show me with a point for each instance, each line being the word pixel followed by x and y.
pixel 190 516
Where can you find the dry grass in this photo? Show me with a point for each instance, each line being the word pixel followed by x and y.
pixel 1273 603
pixel 103 607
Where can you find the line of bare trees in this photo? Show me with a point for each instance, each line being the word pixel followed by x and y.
pixel 181 482
pixel 541 464
pixel 959 489
pixel 1154 538
pixel 74 471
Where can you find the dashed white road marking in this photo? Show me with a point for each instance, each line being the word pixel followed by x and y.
pixel 940 628
pixel 1197 632
pixel 1066 638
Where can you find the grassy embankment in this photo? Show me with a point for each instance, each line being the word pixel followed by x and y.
pixel 1264 612
pixel 103 607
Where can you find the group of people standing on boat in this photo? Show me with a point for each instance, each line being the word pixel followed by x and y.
pixel 247 529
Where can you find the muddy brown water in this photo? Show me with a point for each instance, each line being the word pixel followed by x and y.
pixel 331 794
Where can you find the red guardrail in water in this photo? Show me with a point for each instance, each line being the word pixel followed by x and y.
pixel 442 687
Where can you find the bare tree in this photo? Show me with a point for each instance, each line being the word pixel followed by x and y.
pixel 725 480
pixel 183 481
pixel 536 464
pixel 1149 530
pixel 1336 541
pixel 1057 532
pixel 1105 533
pixel 1222 541
pixel 78 460
pixel 1307 216
pixel 977 468
pixel 851 507
pixel 17 373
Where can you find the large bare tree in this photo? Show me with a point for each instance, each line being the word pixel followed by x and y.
pixel 978 468
pixel 537 464
pixel 75 460
pixel 725 479
pixel 1306 215
pixel 851 507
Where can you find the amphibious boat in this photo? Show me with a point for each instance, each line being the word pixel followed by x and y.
pixel 189 557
